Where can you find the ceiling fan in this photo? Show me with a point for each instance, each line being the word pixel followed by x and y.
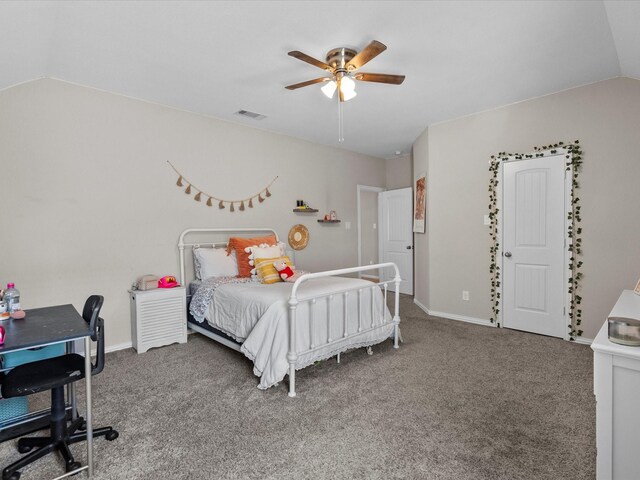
pixel 343 64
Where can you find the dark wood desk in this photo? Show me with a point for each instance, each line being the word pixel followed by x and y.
pixel 44 326
pixel 47 326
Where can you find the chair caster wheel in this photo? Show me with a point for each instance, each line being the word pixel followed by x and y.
pixel 13 476
pixel 82 426
pixel 112 435
pixel 24 448
pixel 73 466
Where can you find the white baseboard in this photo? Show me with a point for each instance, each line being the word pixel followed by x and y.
pixel 480 321
pixel 118 346
pixel 462 318
pixel 422 307
pixel 453 316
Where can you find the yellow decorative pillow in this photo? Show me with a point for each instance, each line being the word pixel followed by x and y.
pixel 267 272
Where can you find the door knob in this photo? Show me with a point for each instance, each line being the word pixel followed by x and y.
pixel 507 254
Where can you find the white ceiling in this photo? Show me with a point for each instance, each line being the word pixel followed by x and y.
pixel 216 58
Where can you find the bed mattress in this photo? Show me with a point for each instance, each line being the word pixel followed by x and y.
pixel 256 316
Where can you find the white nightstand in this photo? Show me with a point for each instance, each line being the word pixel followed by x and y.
pixel 158 317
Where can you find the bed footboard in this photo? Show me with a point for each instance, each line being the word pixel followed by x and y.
pixel 295 350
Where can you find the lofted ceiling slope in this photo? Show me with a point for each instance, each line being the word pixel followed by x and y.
pixel 216 58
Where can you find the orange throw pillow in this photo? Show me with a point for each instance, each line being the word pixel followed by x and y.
pixel 239 244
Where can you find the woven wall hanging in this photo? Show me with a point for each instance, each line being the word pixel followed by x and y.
pixel 198 194
pixel 298 237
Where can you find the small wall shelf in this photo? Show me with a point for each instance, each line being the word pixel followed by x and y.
pixel 328 221
pixel 305 210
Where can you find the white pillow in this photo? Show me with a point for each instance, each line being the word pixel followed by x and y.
pixel 264 251
pixel 214 262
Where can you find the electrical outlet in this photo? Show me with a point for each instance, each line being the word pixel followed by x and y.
pixel 487 220
pixel 465 295
pixel 375 226
pixel 347 225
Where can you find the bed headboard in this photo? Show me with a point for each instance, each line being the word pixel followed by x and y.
pixel 209 237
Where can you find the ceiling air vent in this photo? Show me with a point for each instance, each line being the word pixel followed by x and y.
pixel 252 115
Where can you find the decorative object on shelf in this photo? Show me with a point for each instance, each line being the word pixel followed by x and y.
pixel 573 158
pixel 637 289
pixel 298 237
pixel 261 195
pixel 420 211
pixel 332 216
pixel 327 219
pixel 303 207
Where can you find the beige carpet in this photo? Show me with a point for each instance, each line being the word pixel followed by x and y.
pixel 457 401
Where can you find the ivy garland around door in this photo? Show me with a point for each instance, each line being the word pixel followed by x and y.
pixel 573 158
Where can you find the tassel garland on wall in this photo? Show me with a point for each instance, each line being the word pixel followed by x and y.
pixel 222 203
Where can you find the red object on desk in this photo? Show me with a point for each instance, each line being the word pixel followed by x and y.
pixel 2 335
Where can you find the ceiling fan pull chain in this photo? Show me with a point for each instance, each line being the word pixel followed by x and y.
pixel 340 121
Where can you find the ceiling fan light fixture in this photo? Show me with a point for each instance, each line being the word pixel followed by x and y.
pixel 329 89
pixel 348 95
pixel 348 88
pixel 347 84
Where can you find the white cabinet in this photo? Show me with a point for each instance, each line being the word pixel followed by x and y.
pixel 158 317
pixel 616 384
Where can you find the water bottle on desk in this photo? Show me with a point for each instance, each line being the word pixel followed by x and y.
pixel 12 298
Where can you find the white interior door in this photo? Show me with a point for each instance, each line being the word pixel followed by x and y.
pixel 396 235
pixel 533 245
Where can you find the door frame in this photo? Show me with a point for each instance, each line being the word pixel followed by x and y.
pixel 359 189
pixel 561 153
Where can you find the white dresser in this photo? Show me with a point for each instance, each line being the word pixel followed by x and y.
pixel 616 384
pixel 158 317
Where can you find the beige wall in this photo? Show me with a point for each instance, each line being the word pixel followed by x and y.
pixel 89 202
pixel 399 172
pixel 605 117
pixel 421 240
pixel 369 225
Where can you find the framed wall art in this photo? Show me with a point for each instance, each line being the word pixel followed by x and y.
pixel 420 208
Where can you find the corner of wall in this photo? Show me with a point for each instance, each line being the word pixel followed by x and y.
pixel 420 165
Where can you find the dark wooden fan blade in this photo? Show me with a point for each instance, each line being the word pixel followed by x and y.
pixel 306 58
pixel 380 78
pixel 307 83
pixel 369 52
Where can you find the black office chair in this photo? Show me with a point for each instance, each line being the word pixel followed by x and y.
pixel 53 374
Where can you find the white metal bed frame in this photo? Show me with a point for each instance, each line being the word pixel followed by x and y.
pixel 295 300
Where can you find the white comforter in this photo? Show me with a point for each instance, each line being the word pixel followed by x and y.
pixel 257 315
